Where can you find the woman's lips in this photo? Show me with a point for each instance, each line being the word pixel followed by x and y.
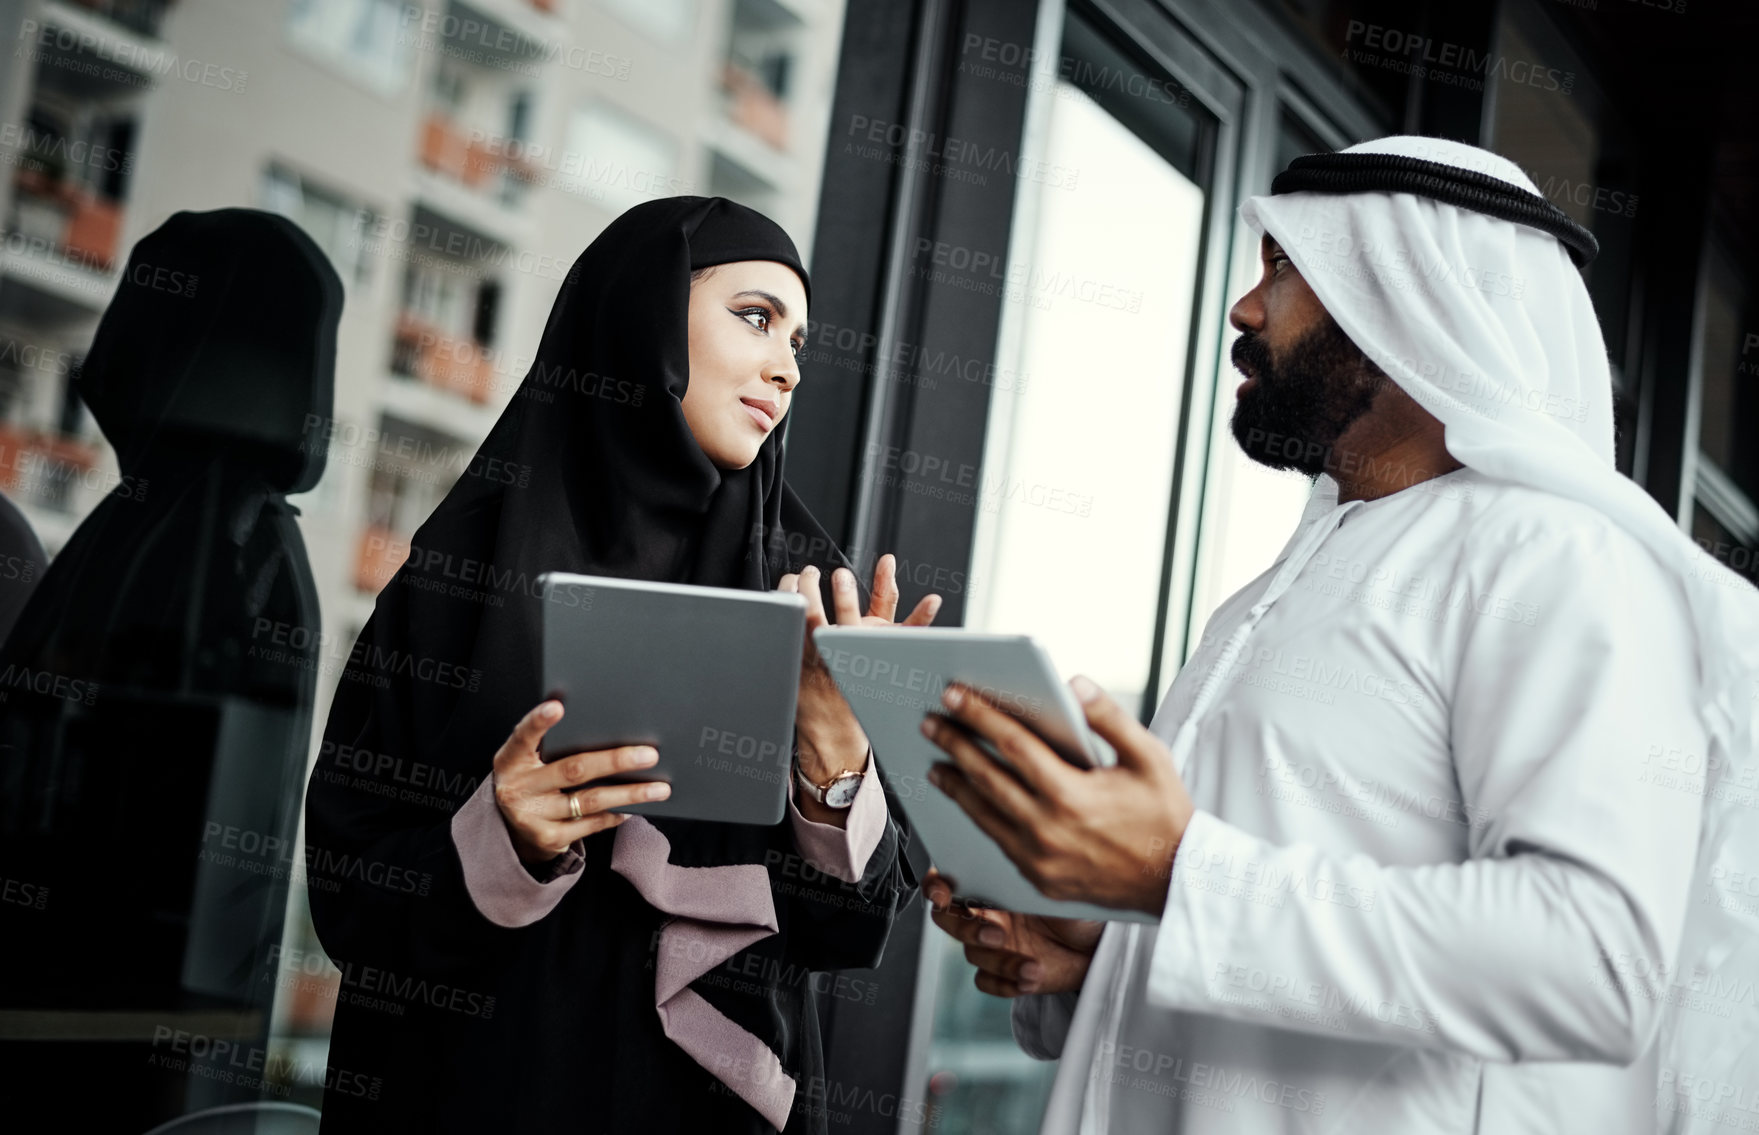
pixel 759 413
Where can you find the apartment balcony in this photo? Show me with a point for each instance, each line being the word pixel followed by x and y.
pixel 537 22
pixel 112 52
pixel 488 166
pixel 70 219
pixel 43 469
pixel 448 362
pixel 752 107
pixel 379 554
pixel 142 17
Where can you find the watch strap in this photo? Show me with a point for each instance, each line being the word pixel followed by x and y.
pixel 818 793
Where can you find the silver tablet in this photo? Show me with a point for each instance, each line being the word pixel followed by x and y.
pixel 892 677
pixel 706 675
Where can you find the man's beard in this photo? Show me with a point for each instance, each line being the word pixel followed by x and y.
pixel 1299 408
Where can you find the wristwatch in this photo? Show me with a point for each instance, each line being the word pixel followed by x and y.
pixel 837 792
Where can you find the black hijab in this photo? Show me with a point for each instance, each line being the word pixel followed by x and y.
pixel 591 468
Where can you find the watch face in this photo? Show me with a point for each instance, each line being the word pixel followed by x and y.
pixel 842 791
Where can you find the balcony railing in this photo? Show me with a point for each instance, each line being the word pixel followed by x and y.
pixel 41 467
pixel 381 552
pixel 450 362
pixel 754 106
pixel 142 16
pixel 446 148
pixel 67 216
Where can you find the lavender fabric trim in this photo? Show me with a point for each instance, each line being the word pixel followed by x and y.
pixel 842 853
pixel 499 883
pixel 717 911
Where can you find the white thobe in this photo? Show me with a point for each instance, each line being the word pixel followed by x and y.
pixel 1442 754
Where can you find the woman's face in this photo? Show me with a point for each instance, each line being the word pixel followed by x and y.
pixel 747 321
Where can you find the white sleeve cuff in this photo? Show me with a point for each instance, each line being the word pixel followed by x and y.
pixel 1202 901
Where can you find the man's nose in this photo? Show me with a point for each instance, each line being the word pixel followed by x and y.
pixel 1247 314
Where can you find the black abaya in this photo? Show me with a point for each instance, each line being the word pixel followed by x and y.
pixel 446 1021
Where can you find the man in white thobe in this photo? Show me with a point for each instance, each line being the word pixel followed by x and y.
pixel 1428 815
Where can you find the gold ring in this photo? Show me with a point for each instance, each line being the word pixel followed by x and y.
pixel 574 805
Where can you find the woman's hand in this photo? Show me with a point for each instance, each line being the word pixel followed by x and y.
pixel 531 793
pixel 1015 953
pixel 831 740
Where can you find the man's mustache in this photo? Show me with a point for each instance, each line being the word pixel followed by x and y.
pixel 1251 357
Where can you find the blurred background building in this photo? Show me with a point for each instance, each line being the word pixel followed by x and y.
pixel 1021 222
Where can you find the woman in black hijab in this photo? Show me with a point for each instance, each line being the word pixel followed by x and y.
pixel 657 977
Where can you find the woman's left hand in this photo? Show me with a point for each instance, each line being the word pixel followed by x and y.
pixel 831 740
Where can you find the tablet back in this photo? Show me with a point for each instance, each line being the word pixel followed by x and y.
pixel 706 675
pixel 892 677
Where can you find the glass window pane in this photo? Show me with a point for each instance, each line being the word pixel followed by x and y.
pixel 1722 545
pixel 1550 116
pixel 362 38
pixel 618 160
pixel 1078 462
pixel 1729 364
pixel 1074 489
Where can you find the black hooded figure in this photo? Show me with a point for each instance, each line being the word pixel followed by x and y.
pixel 447 1020
pixel 156 692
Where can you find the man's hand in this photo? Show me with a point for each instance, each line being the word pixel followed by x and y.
pixel 1102 835
pixel 1015 953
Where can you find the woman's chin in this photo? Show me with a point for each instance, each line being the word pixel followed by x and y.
pixel 733 458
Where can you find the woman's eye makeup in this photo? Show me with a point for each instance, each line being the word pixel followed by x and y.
pixel 760 319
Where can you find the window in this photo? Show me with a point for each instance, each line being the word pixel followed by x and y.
pixel 665 21
pixel 1549 115
pixel 618 160
pixel 338 226
pixel 363 39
